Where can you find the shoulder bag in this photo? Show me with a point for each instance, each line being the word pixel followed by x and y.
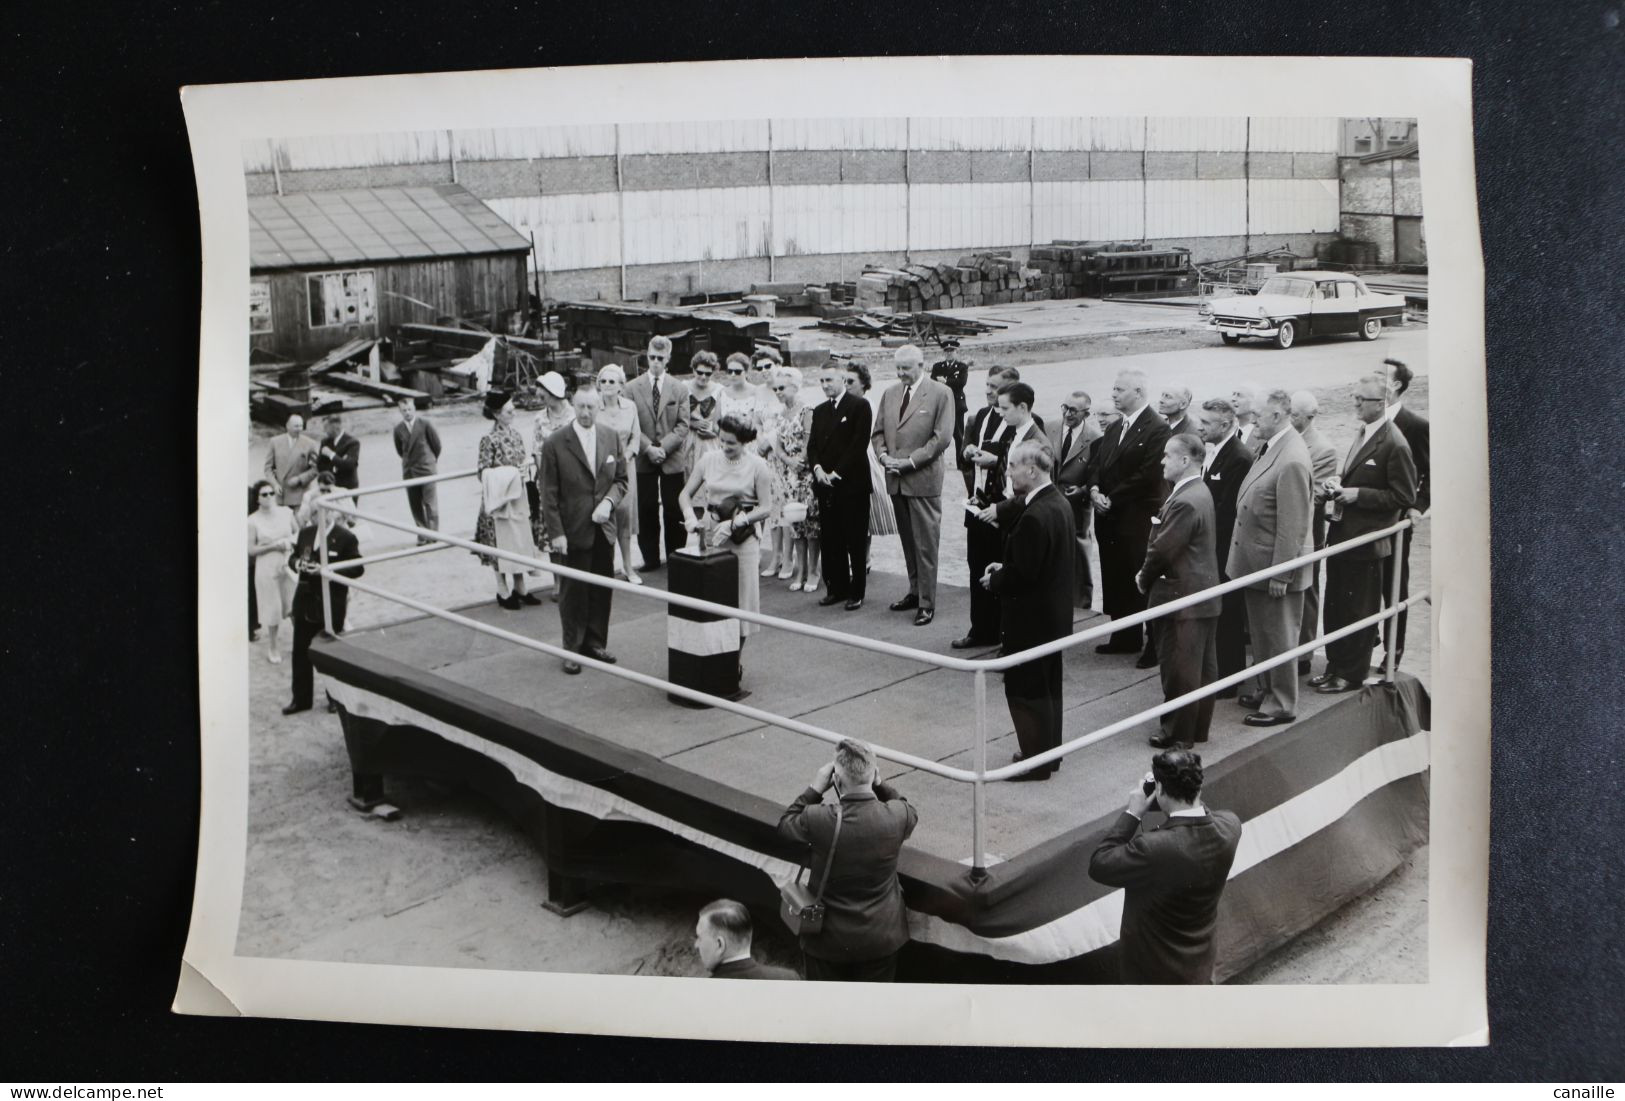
pixel 802 911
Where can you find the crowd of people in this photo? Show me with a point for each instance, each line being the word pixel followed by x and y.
pixel 1178 497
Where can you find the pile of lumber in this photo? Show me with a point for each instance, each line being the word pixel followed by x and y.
pixel 1100 268
pixel 979 279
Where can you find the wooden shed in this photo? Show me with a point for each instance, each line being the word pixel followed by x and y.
pixel 327 267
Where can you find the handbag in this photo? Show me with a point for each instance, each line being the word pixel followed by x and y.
pixel 802 911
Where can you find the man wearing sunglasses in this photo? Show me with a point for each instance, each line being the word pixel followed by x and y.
pixel 662 466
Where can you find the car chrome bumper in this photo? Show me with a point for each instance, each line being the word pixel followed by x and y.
pixel 1240 327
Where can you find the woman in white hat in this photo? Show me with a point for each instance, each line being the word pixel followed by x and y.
pixel 621 417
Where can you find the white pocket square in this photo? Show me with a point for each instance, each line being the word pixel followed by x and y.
pixel 1371 462
pixel 843 420
pixel 1216 477
pixel 1156 519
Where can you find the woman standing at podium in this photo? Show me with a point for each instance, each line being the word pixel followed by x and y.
pixel 735 471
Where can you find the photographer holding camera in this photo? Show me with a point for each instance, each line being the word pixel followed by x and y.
pixel 1172 874
pixel 858 839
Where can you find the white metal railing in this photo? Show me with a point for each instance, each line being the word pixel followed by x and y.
pixel 337 503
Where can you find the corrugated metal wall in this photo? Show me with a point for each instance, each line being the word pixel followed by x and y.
pixel 1121 187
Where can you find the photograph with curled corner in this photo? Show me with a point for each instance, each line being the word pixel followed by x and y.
pixel 602 619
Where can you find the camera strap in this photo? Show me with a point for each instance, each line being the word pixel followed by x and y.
pixel 829 861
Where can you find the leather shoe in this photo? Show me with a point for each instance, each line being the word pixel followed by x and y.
pixel 295 708
pixel 1163 740
pixel 854 604
pixel 830 598
pixel 967 642
pixel 1264 718
pixel 1227 693
pixel 529 598
pixel 1316 682
pixel 511 603
pixel 598 654
pixel 572 667
pixel 1250 700
pixel 923 617
pixel 1335 685
pixel 908 603
pixel 1147 661
pixel 1034 776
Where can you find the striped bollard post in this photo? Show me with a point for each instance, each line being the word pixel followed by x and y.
pixel 702 649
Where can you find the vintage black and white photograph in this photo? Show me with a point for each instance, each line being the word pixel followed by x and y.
pixel 917 548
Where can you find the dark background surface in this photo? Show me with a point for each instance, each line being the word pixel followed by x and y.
pixel 101 280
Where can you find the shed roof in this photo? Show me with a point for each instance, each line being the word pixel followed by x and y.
pixel 374 223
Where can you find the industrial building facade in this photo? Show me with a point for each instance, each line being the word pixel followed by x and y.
pixel 646 211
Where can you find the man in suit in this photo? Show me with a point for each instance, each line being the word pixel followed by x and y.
pixel 838 455
pixel 1073 440
pixel 990 514
pixel 954 373
pixel 987 436
pixel 1419 435
pixel 339 454
pixel 1323 465
pixel 864 920
pixel 418 445
pixel 913 431
pixel 1227 463
pixel 290 462
pixel 307 600
pixel 1173 876
pixel 1376 487
pixel 1174 405
pixel 1272 527
pixel 1244 398
pixel 582 480
pixel 1034 585
pixel 662 466
pixel 1126 488
pixel 722 937
pixel 1180 562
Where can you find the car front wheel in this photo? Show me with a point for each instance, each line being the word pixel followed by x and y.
pixel 1230 338
pixel 1285 335
pixel 1371 329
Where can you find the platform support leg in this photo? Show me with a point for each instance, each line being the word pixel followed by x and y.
pixel 566 894
pixel 978 869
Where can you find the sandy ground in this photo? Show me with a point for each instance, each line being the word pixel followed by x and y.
pixel 453 883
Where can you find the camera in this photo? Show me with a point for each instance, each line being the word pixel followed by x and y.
pixel 1149 785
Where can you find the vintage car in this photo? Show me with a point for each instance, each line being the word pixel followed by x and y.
pixel 1305 303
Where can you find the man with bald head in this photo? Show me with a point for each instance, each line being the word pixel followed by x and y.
pixel 1323 464
pixel 290 462
pixel 1174 405
pixel 1125 486
pixel 912 432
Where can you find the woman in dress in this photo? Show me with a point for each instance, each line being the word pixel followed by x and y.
pixel 621 417
pixel 882 518
pixel 703 414
pixel 504 521
pixel 798 536
pixel 765 362
pixel 272 532
pixel 739 399
pixel 733 473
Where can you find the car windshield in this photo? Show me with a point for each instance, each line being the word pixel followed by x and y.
pixel 1290 286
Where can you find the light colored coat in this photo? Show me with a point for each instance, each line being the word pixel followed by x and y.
pixel 666 427
pixel 1273 511
pixel 290 465
pixel 922 435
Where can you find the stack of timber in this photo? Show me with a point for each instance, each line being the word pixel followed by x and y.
pixel 979 279
pixel 1098 269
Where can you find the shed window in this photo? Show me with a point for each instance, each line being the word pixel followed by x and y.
pixel 342 298
pixel 259 306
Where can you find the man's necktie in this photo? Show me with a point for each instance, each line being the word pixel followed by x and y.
pixel 655 390
pixel 1066 445
pixel 1263 447
pixel 903 408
